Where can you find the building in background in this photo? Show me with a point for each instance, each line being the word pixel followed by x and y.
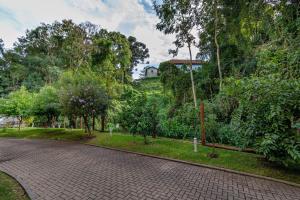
pixel 151 72
pixel 196 64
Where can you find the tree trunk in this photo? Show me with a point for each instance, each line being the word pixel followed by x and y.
pixel 217 45
pixel 154 134
pixel 74 122
pixel 20 122
pixel 53 122
pixel 145 139
pixel 86 124
pixel 102 123
pixel 192 77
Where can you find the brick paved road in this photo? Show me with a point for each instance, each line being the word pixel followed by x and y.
pixel 62 170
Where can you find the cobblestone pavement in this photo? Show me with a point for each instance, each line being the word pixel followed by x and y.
pixel 65 170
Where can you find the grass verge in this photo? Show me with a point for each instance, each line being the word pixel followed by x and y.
pixel 10 189
pixel 169 148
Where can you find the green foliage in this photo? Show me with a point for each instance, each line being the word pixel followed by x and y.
pixel 139 52
pixel 40 56
pixel 83 94
pixel 17 104
pixel 176 80
pixel 46 104
pixel 269 107
pixel 140 113
pixel 10 189
pixel 180 122
pixel 149 85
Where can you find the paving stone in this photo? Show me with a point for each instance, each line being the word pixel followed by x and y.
pixel 55 170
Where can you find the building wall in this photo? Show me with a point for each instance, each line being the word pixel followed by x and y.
pixel 151 72
pixel 194 66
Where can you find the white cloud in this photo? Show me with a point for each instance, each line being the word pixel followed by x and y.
pixel 126 16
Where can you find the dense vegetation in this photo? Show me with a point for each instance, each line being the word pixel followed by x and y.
pixel 63 74
pixel 250 82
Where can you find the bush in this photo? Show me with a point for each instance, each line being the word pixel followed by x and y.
pixel 139 115
pixel 268 109
pixel 181 122
pixel 83 94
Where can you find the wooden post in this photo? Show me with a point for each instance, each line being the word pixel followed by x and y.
pixel 203 136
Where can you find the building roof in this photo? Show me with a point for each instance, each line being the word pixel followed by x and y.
pixel 185 62
pixel 148 67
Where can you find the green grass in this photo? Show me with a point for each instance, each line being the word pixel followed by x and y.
pixel 10 189
pixel 149 85
pixel 164 147
pixel 44 133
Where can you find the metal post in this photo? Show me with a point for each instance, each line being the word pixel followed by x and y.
pixel 195 144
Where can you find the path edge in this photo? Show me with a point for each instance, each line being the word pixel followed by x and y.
pixel 28 191
pixel 199 165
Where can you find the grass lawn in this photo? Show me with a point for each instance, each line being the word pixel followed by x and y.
pixel 10 189
pixel 170 148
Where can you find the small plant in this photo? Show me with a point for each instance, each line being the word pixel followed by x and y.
pixel 213 154
pixel 213 136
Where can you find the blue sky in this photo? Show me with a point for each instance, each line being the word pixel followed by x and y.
pixel 130 17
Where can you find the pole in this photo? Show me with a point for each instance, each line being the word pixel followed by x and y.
pixel 203 135
pixel 195 144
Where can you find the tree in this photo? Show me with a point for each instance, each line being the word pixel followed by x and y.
pixel 139 52
pixel 83 94
pixel 139 115
pixel 178 16
pixel 216 41
pixel 177 80
pixel 46 104
pixel 40 56
pixel 18 104
pixel 112 50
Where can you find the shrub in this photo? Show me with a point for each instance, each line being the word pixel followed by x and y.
pixel 83 94
pixel 268 108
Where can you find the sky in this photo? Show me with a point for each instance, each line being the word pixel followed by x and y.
pixel 130 17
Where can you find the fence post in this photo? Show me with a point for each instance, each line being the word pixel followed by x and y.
pixel 203 135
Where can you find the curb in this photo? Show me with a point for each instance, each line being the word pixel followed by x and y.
pixel 200 165
pixel 162 158
pixel 27 191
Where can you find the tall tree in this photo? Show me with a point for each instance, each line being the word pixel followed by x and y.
pixel 178 17
pixel 112 50
pixel 216 41
pixel 139 52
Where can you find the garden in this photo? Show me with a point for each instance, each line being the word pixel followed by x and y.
pixel 68 81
